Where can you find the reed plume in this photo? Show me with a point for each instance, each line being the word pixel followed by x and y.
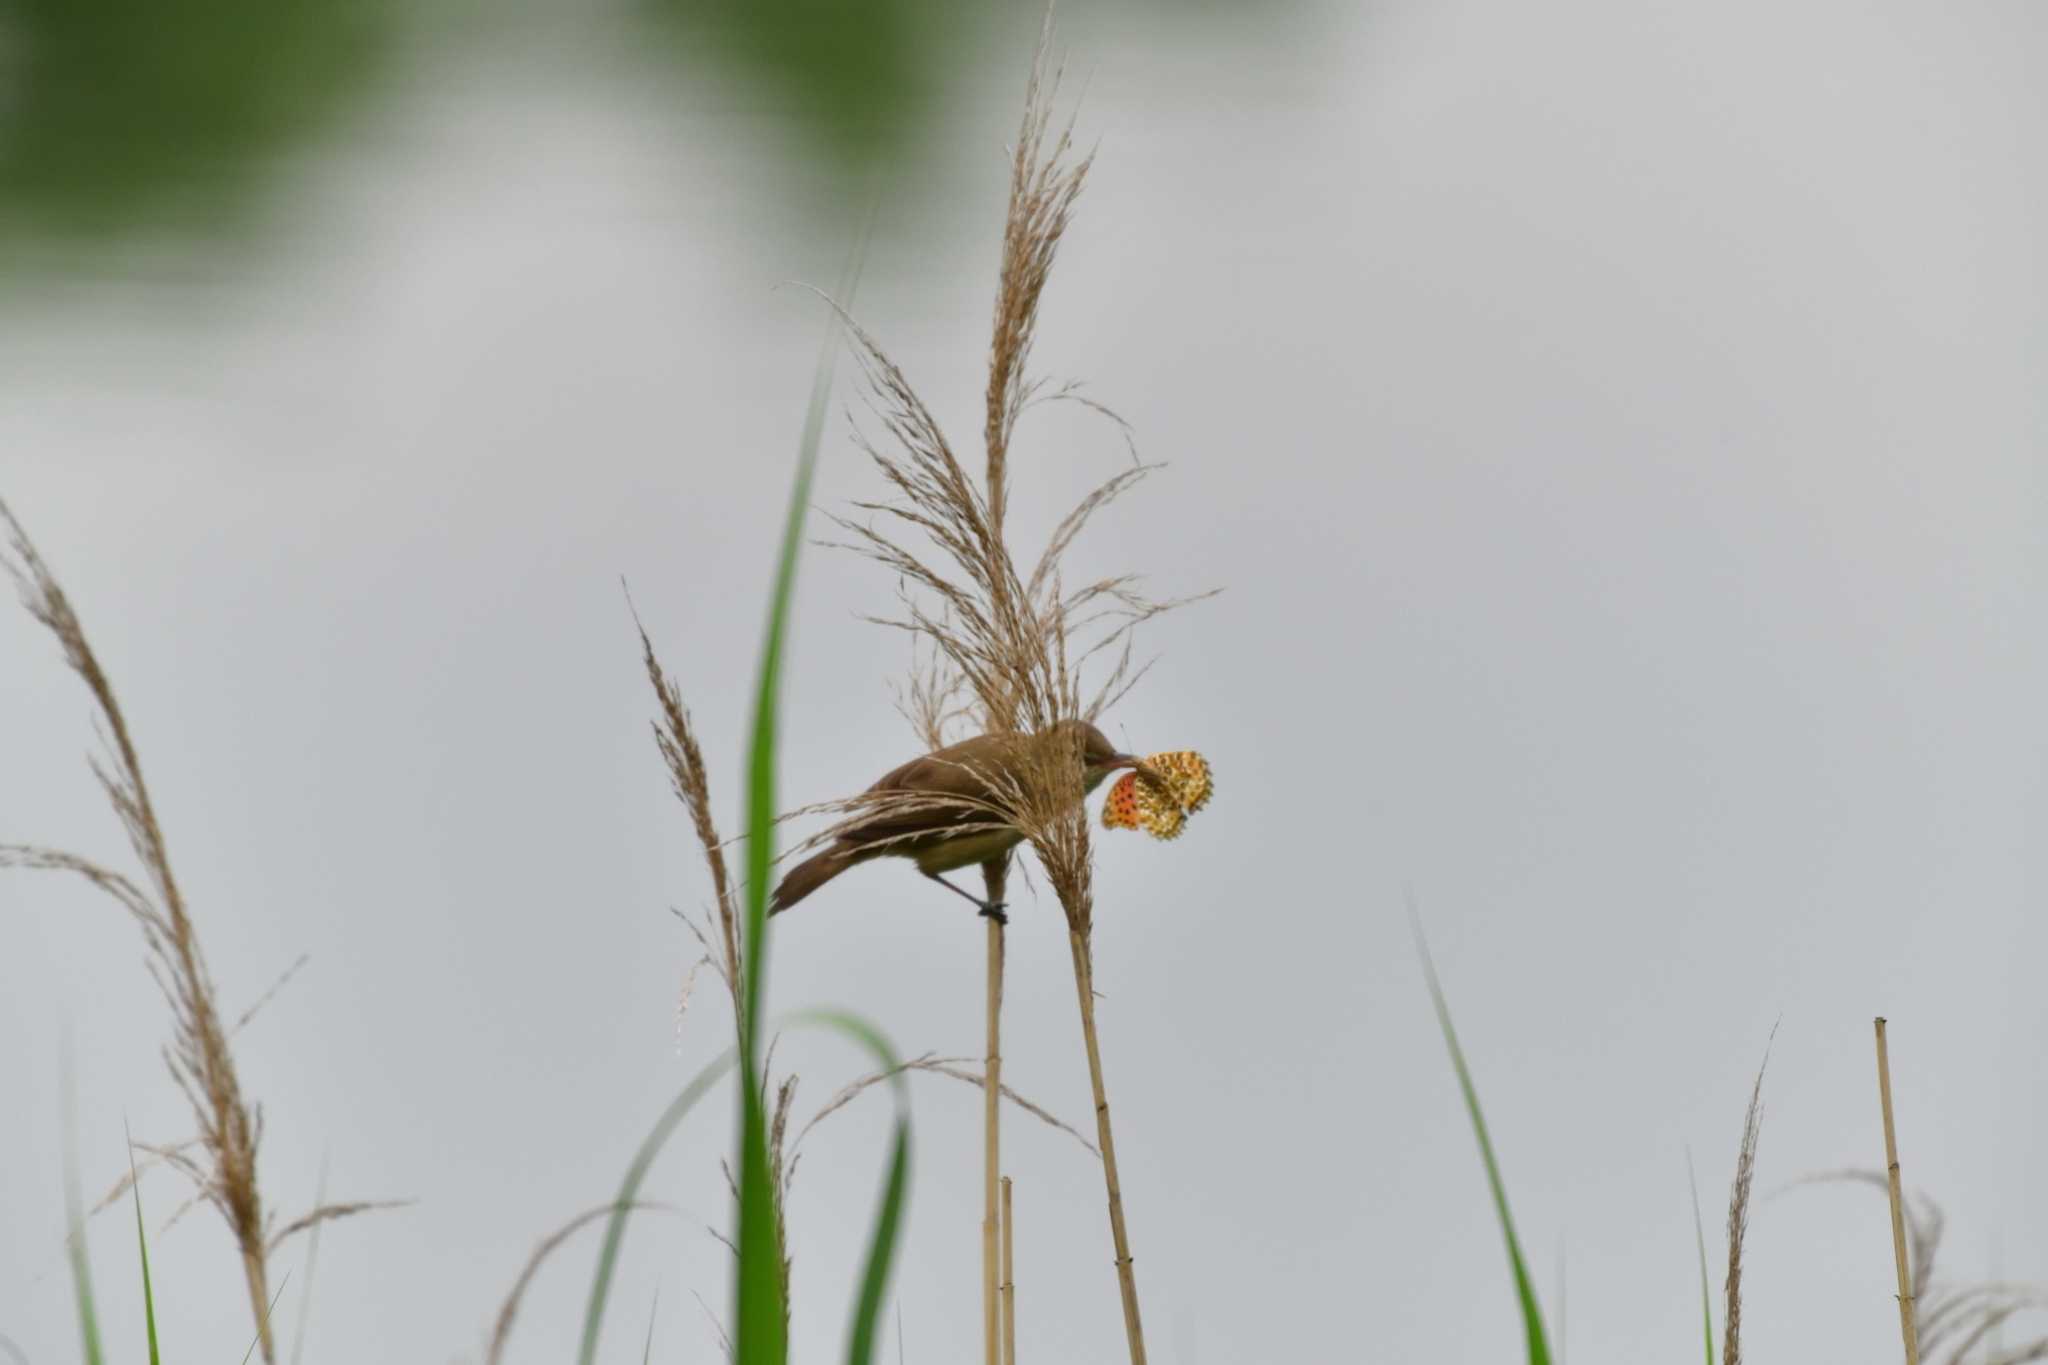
pixel 198 1055
pixel 1738 1218
pixel 1042 193
pixel 675 738
pixel 1015 643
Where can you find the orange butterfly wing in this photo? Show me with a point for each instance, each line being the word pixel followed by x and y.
pixel 1120 811
pixel 1160 808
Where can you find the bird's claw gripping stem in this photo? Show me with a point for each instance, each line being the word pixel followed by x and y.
pixel 997 911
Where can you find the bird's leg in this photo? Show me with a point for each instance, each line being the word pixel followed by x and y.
pixel 993 909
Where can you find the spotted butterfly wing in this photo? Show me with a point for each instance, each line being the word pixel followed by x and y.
pixel 1120 811
pixel 1187 777
pixel 1180 784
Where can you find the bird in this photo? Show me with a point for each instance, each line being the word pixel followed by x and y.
pixel 939 837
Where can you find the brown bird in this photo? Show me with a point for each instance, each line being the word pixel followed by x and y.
pixel 940 837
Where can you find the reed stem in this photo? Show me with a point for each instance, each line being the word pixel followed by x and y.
pixel 991 1125
pixel 1009 1290
pixel 1127 1283
pixel 1909 1330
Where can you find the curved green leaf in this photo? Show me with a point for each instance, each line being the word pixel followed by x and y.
pixel 142 1242
pixel 881 1255
pixel 629 1189
pixel 81 1264
pixel 1525 1293
pixel 1699 1237
pixel 760 1333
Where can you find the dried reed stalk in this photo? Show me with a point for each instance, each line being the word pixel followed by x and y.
pixel 1015 643
pixel 1009 1278
pixel 1738 1219
pixel 1908 1328
pixel 198 1055
pixel 1962 1319
pixel 991 1126
pixel 676 739
pixel 1127 1284
pixel 1042 192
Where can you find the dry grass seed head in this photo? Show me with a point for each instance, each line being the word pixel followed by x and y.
pixel 1044 184
pixel 676 739
pixel 1738 1219
pixel 1001 636
pixel 198 1055
pixel 929 697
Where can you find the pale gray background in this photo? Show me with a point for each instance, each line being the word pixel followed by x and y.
pixel 1619 429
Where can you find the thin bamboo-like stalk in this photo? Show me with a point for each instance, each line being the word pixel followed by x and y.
pixel 1084 985
pixel 991 1126
pixel 1908 1328
pixel 1004 636
pixel 1009 1279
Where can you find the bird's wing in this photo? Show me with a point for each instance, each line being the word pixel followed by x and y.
pixel 955 771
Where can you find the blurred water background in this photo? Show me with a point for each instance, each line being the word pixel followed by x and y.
pixel 1619 430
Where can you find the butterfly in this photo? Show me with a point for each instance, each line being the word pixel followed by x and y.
pixel 1161 808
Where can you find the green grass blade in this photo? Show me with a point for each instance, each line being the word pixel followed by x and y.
pixel 74 1224
pixel 647 1351
pixel 1525 1293
pixel 760 1336
pixel 874 1282
pixel 862 1333
pixel 1699 1237
pixel 1563 1331
pixel 142 1243
pixel 629 1188
pixel 759 1327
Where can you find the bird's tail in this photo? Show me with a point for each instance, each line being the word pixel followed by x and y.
pixel 807 876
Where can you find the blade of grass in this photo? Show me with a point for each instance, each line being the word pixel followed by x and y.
pixel 1525 1293
pixel 1563 1329
pixel 629 1189
pixel 142 1243
pixel 1699 1237
pixel 759 1319
pixel 874 1281
pixel 647 1351
pixel 881 1254
pixel 81 1264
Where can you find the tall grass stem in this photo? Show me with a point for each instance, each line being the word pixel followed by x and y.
pixel 991 1126
pixel 1909 1331
pixel 1009 1288
pixel 1127 1282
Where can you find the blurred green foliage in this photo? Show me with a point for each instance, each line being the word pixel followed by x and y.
pixel 857 78
pixel 127 114
pixel 170 118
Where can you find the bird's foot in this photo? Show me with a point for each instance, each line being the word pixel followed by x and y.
pixel 997 911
